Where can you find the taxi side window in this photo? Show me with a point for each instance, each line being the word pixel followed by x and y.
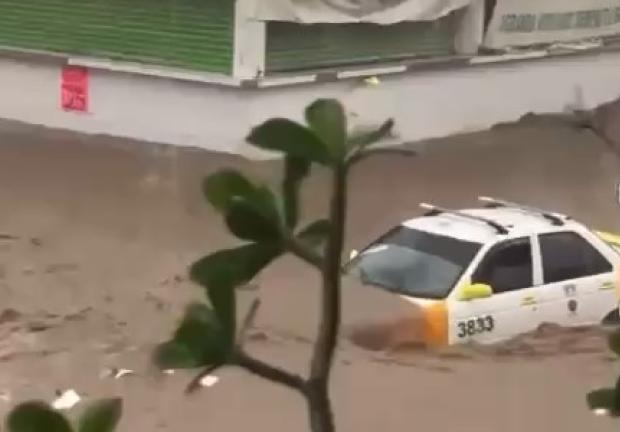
pixel 567 255
pixel 507 266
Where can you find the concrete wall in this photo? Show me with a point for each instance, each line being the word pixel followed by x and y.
pixel 425 104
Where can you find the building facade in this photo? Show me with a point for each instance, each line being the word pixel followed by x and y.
pixel 202 72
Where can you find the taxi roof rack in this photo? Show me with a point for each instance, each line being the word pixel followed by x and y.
pixel 555 219
pixel 434 210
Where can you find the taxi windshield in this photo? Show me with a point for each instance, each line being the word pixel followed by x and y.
pixel 414 263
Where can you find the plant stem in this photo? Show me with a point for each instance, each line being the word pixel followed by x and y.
pixel 258 367
pixel 248 322
pixel 272 373
pixel 386 151
pixel 319 407
pixel 321 417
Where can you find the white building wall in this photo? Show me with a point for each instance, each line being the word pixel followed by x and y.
pixel 424 104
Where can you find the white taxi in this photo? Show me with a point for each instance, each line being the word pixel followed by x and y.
pixel 490 273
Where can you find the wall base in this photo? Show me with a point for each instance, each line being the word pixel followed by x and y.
pixel 425 104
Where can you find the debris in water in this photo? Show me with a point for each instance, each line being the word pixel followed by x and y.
pixel 37 327
pixel 115 373
pixel 122 372
pixel 209 380
pixel 5 396
pixel 66 400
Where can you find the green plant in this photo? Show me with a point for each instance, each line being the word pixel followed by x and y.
pixel 607 400
pixel 36 416
pixel 208 335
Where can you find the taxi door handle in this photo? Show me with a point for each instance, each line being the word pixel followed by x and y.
pixel 570 289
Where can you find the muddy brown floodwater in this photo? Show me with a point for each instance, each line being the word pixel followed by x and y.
pixel 97 233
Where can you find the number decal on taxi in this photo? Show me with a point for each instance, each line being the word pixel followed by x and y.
pixel 475 326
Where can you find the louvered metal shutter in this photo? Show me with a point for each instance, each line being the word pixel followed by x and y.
pixel 293 46
pixel 195 34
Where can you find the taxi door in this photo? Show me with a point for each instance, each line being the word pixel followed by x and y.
pixel 510 268
pixel 579 279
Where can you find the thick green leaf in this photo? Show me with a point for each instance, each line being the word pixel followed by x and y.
pixel 198 341
pixel 327 119
pixel 251 211
pixel 614 341
pixel 607 398
pixel 247 222
pixel 363 139
pixel 264 201
pixel 291 138
pixel 223 271
pixel 254 216
pixel 233 267
pixel 315 234
pixel 101 416
pixel 603 399
pixel 295 170
pixel 221 187
pixel 36 416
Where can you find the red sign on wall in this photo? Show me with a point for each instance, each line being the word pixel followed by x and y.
pixel 74 88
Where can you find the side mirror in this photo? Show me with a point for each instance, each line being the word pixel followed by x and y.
pixel 353 254
pixel 475 291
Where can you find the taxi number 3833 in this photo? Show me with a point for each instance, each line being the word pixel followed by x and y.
pixel 475 326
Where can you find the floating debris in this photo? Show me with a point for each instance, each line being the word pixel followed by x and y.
pixel 122 372
pixel 66 400
pixel 5 396
pixel 37 327
pixel 115 373
pixel 209 380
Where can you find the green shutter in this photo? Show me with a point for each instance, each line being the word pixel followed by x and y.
pixel 194 34
pixel 293 46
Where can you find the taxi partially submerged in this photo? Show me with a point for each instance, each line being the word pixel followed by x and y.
pixel 490 273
